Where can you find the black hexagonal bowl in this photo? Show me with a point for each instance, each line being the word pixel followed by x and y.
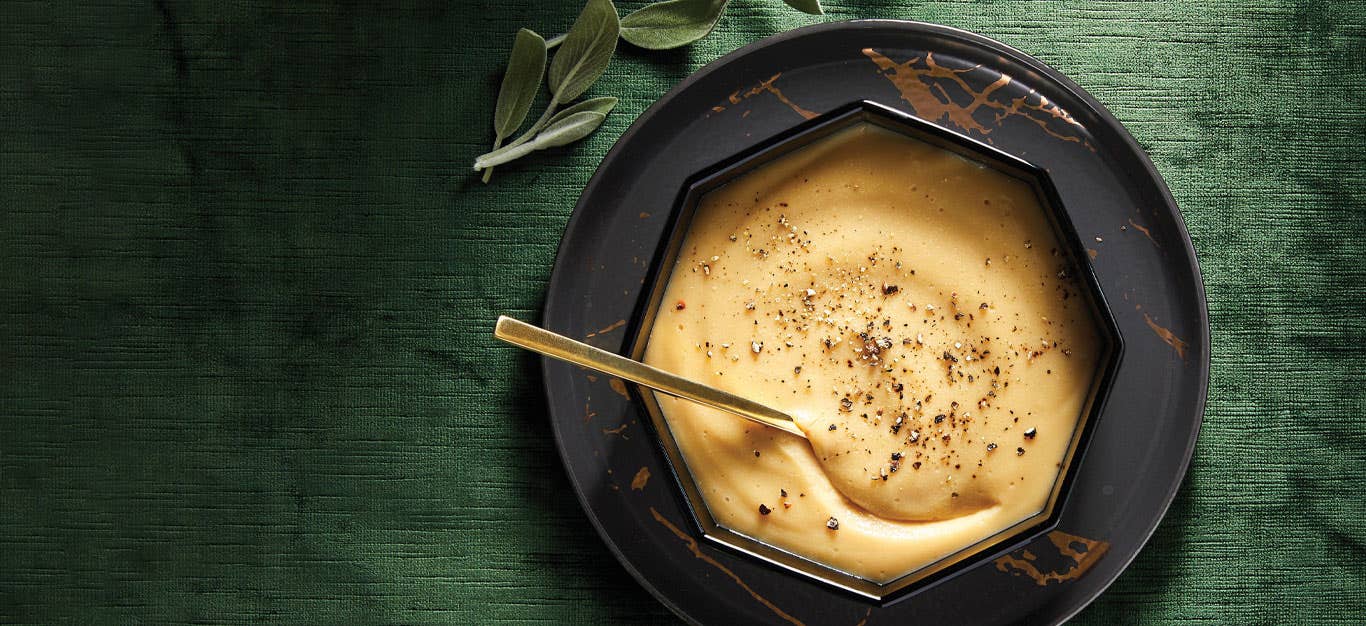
pixel 799 136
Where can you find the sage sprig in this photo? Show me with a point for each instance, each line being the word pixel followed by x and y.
pixel 522 80
pixel 676 23
pixel 582 56
pixel 601 105
pixel 671 24
pixel 567 126
pixel 586 51
pixel 569 129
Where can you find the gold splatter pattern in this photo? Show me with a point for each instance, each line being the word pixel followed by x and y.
pixel 924 84
pixel 1167 336
pixel 765 86
pixel 1082 552
pixel 642 477
pixel 697 552
pixel 607 329
pixel 1142 229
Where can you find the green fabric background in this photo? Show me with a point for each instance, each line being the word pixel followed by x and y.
pixel 247 286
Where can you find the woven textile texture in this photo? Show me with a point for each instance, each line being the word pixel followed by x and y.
pixel 247 284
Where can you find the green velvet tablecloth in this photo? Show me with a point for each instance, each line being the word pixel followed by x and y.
pixel 247 285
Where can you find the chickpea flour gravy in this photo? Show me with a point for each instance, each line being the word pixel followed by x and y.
pixel 915 312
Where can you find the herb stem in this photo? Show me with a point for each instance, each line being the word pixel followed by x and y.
pixel 482 161
pixel 503 155
pixel 540 123
pixel 488 172
pixel 554 41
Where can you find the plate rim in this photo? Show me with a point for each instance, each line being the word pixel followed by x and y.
pixel 559 267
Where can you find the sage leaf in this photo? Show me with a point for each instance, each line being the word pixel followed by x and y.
pixel 812 7
pixel 568 129
pixel 602 105
pixel 586 51
pixel 572 128
pixel 671 24
pixel 521 81
pixel 503 155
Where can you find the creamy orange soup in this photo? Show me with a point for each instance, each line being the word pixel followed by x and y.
pixel 913 311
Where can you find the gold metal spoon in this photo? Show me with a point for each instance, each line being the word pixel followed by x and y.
pixel 563 348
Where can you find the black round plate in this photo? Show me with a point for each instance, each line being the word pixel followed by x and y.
pixel 1143 260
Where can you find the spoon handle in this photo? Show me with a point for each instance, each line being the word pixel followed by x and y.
pixel 563 348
